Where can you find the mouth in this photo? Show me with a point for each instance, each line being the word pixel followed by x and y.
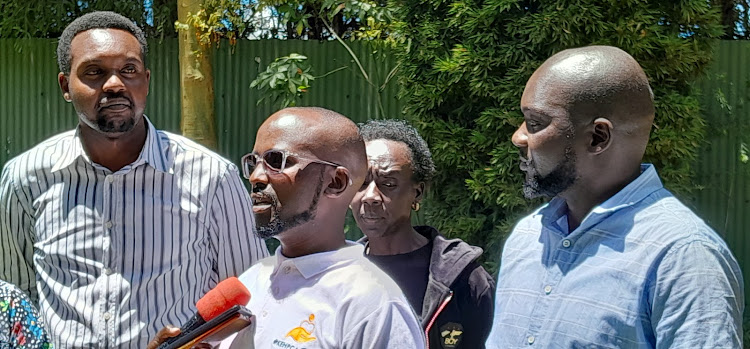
pixel 524 163
pixel 114 104
pixel 261 203
pixel 370 219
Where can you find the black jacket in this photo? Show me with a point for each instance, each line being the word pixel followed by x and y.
pixel 459 303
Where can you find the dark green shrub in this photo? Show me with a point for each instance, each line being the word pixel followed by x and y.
pixel 464 69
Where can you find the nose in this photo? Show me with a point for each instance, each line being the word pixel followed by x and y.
pixel 114 84
pixel 258 178
pixel 372 195
pixel 520 137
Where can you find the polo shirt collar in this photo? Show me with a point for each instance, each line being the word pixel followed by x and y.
pixel 153 152
pixel 317 263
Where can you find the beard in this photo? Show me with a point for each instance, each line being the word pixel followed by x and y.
pixel 277 225
pixel 106 125
pixel 115 124
pixel 555 182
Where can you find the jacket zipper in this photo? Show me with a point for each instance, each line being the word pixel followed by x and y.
pixel 434 317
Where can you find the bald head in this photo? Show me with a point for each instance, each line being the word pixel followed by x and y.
pixel 327 134
pixel 587 116
pixel 600 81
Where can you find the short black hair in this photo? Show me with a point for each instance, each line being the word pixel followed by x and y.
pixel 96 20
pixel 401 131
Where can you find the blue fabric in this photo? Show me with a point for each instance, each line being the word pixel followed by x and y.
pixel 641 271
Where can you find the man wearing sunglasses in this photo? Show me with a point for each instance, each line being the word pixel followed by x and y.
pixel 318 291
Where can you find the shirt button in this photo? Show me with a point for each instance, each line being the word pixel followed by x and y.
pixel 531 339
pixel 566 243
pixel 108 224
pixel 107 316
pixel 264 313
pixel 287 269
pixel 108 271
pixel 110 179
pixel 547 289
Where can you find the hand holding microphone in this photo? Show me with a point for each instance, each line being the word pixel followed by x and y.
pixel 221 312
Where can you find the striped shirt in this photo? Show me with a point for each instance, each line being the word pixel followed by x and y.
pixel 641 271
pixel 114 257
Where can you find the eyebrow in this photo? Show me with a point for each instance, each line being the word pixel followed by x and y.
pixel 98 60
pixel 386 173
pixel 535 111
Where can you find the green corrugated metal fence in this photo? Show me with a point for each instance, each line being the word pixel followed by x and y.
pixel 724 200
pixel 31 108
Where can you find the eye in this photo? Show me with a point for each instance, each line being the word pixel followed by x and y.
pixel 129 70
pixel 275 160
pixel 93 72
pixel 533 126
pixel 388 184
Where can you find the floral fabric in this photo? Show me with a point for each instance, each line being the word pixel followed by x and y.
pixel 20 325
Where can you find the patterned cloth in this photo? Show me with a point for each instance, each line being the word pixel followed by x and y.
pixel 20 324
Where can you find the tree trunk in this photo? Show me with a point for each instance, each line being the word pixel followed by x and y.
pixel 196 82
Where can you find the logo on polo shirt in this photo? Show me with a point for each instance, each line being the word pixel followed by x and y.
pixel 451 335
pixel 303 332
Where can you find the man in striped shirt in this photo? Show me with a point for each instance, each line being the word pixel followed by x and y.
pixel 117 228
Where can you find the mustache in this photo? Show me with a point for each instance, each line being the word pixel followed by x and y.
pixel 110 99
pixel 264 196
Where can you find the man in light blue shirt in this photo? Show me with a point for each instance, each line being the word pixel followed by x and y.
pixel 613 260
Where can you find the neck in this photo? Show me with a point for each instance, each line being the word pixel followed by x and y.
pixel 403 240
pixel 114 153
pixel 581 201
pixel 311 238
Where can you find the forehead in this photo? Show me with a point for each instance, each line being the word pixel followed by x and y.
pixel 387 153
pixel 546 94
pixel 283 133
pixel 104 44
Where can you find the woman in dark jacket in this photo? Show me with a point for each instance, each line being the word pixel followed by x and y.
pixel 450 292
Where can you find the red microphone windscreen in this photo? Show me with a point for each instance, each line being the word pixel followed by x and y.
pixel 225 295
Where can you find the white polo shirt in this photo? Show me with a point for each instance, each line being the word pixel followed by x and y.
pixel 335 299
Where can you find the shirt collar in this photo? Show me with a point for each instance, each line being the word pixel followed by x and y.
pixel 153 153
pixel 316 263
pixel 637 190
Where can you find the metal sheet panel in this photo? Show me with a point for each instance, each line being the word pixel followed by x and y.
pixel 32 109
pixel 724 200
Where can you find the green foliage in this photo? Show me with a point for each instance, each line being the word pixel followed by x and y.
pixel 285 80
pixel 47 19
pixel 467 62
pixel 219 19
pixel 324 19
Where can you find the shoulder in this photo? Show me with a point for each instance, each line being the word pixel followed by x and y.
pixel 40 158
pixel 666 222
pixel 258 271
pixel 188 153
pixel 527 228
pixel 361 286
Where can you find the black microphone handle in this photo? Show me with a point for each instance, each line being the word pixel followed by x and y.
pixel 194 322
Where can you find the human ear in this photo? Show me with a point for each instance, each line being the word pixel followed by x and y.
pixel 63 81
pixel 339 183
pixel 601 136
pixel 419 191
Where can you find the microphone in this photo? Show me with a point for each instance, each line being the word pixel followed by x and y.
pixel 216 309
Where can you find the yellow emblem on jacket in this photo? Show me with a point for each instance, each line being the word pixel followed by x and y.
pixel 303 333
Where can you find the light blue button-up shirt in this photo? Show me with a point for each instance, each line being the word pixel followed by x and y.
pixel 641 271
